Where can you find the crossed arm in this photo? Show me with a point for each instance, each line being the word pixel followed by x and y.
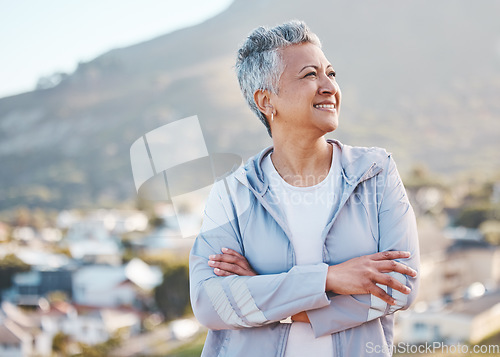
pixel 227 293
pixel 356 276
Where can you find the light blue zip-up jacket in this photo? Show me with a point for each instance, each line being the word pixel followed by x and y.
pixel 243 313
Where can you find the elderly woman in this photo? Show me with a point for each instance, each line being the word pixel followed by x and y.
pixel 311 246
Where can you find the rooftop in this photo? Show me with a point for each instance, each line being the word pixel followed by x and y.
pixel 476 306
pixel 7 337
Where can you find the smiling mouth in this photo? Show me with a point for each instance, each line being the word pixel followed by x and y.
pixel 325 106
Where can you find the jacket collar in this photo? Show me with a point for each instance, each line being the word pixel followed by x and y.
pixel 358 164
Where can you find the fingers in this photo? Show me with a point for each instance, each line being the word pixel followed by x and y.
pixel 229 256
pixel 230 263
pixel 220 272
pixel 390 255
pixel 387 266
pixel 389 281
pixel 233 259
pixel 231 252
pixel 386 262
pixel 380 293
pixel 228 267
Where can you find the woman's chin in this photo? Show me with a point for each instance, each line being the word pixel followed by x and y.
pixel 332 125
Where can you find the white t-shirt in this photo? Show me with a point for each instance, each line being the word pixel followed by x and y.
pixel 307 210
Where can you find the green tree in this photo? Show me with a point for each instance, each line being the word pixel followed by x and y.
pixel 100 349
pixel 421 176
pixel 9 266
pixel 472 216
pixel 59 343
pixel 491 231
pixel 172 296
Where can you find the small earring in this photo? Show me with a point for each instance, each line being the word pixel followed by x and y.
pixel 272 116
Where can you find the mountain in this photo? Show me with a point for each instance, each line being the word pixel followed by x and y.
pixel 420 78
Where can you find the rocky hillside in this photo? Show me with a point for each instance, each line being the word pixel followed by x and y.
pixel 420 78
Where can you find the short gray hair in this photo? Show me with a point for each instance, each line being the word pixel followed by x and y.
pixel 259 65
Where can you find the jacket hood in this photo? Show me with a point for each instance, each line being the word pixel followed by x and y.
pixel 358 164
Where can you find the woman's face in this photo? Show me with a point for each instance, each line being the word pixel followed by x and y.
pixel 309 97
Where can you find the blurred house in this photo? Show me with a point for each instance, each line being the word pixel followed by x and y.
pixel 25 289
pixel 32 340
pixel 143 275
pixel 30 333
pixel 93 239
pixel 91 325
pixel 446 273
pixel 96 252
pixel 29 235
pixel 467 320
pixel 29 287
pixel 49 272
pixel 66 218
pixel 103 286
pixel 50 234
pixel 23 234
pixel 120 221
pixel 163 239
pixel 113 286
pixel 41 258
pixel 89 241
pixel 460 235
pixel 116 221
pixel 14 342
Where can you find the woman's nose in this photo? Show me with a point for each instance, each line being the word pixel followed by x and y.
pixel 328 85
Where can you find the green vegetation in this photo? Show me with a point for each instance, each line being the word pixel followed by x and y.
pixel 480 209
pixel 172 296
pixel 491 231
pixel 9 266
pixel 99 350
pixel 421 176
pixel 59 344
pixel 472 216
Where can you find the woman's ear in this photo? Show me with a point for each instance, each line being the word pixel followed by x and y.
pixel 262 99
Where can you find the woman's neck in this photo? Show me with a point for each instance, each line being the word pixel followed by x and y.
pixel 302 162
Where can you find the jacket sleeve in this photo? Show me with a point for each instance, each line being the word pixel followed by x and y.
pixel 397 231
pixel 240 301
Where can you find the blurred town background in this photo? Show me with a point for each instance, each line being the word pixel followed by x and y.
pixel 90 267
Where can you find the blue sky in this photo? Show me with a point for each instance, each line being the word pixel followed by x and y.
pixel 38 38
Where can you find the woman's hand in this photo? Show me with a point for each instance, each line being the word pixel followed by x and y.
pixel 360 275
pixel 230 262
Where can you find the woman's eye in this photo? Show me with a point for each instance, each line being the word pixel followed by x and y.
pixel 310 74
pixel 332 74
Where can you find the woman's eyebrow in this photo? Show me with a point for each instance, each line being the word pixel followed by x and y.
pixel 309 65
pixel 315 67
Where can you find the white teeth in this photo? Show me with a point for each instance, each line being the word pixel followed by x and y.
pixel 329 106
